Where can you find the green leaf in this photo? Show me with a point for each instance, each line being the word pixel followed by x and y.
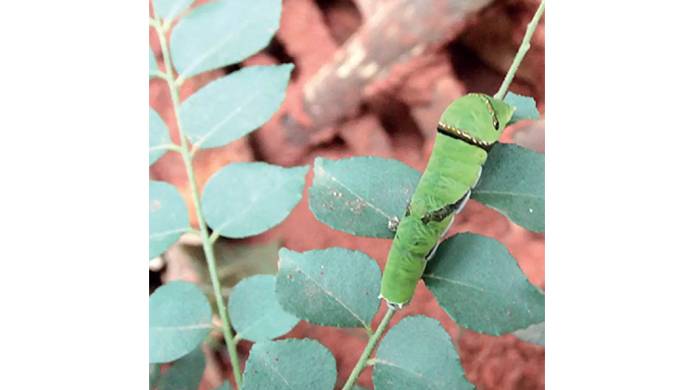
pixel 534 334
pixel 232 106
pixel 245 199
pixel 525 107
pixel 222 33
pixel 179 320
pixel 153 66
pixel 255 312
pixel 360 195
pixel 513 183
pixel 168 217
pixel 169 9
pixel 417 353
pixel 159 136
pixel 185 373
pixel 479 284
pixel 333 287
pixel 289 364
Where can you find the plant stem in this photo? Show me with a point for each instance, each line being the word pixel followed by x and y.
pixel 369 348
pixel 203 228
pixel 521 52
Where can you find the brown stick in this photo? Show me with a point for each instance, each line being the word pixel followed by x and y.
pixel 396 33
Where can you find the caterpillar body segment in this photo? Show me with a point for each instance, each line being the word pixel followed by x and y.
pixel 467 129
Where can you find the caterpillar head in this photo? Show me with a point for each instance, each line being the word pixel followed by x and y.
pixel 476 118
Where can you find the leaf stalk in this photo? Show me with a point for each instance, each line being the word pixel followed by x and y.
pixel 521 52
pixel 372 341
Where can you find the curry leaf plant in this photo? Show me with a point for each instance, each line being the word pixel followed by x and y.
pixel 208 37
pixel 475 279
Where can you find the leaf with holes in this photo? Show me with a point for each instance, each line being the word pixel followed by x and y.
pixel 513 183
pixel 245 199
pixel 417 353
pixel 179 320
pixel 255 312
pixel 479 284
pixel 168 217
pixel 185 373
pixel 232 106
pixel 525 107
pixel 289 364
pixel 222 33
pixel 360 195
pixel 159 137
pixel 333 287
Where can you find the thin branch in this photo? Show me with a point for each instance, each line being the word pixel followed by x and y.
pixel 521 52
pixel 203 228
pixel 363 360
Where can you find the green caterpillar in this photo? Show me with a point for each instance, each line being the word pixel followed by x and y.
pixel 466 131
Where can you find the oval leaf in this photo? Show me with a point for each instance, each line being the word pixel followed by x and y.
pixel 168 217
pixel 169 9
pixel 417 353
pixel 244 199
pixel 185 373
pixel 289 364
pixel 360 195
pixel 479 284
pixel 159 137
pixel 525 107
pixel 534 334
pixel 513 184
pixel 333 287
pixel 233 106
pixel 222 33
pixel 179 320
pixel 153 66
pixel 255 312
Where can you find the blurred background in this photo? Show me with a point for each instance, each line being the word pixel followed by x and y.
pixel 371 78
